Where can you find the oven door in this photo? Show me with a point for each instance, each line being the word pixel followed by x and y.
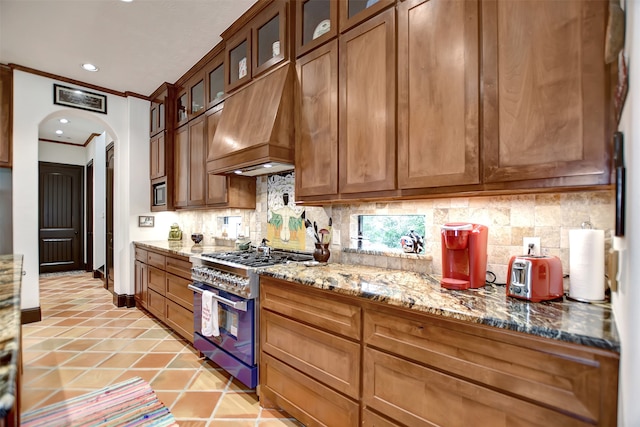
pixel 235 348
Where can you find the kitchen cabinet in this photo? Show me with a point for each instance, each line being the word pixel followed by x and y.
pixel 6 116
pixel 317 23
pixel 270 39
pixel 141 278
pixel 189 164
pixel 161 288
pixel 238 60
pixel 214 73
pixel 546 112
pixel 438 93
pixel 161 144
pixel 425 370
pixel 310 354
pixel 317 118
pixel 190 99
pixel 326 358
pixel 353 12
pixel 367 134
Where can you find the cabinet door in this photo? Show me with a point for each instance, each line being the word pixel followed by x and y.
pixel 197 100
pixel 141 272
pixel 270 39
pixel 182 107
pixel 438 98
pixel 352 12
pixel 156 280
pixel 197 156
pixel 367 106
pixel 6 89
pixel 237 66
pixel 157 149
pixel 215 81
pixel 216 184
pixel 317 141
pixel 416 395
pixel 181 167
pixel 316 24
pixel 544 91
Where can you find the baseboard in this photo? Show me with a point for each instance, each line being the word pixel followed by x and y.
pixel 97 274
pixel 123 300
pixel 30 315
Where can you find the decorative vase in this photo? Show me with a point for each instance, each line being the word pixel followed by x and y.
pixel 322 253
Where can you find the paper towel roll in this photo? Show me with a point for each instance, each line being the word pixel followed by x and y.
pixel 586 265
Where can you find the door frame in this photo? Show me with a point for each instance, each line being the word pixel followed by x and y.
pixel 89 216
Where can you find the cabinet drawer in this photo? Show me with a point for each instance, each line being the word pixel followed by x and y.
pixel 141 255
pixel 156 304
pixel 179 267
pixel 332 360
pixel 330 314
pixel 557 375
pixel 415 395
pixel 180 320
pixel 371 419
pixel 156 260
pixel 157 280
pixel 307 400
pixel 178 292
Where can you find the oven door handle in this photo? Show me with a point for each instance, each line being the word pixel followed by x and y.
pixel 237 305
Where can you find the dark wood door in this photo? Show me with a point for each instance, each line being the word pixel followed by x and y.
pixel 109 273
pixel 89 220
pixel 60 217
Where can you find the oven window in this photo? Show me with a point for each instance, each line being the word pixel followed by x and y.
pixel 228 320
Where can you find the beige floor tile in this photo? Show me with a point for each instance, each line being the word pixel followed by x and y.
pixel 51 331
pixel 32 399
pixel 210 379
pixel 73 321
pixel 156 333
pixel 185 360
pixel 170 346
pixel 120 360
pixel 157 360
pixel 61 395
pixel 80 345
pixel 87 359
pixel 53 359
pixel 145 374
pixel 50 344
pixel 95 378
pixel 172 379
pixel 280 423
pixel 194 423
pixel 29 356
pixel 76 331
pixel 195 404
pixel 238 405
pixel 130 333
pixel 29 373
pixel 167 397
pixel 238 386
pixel 56 378
pixel 230 423
pixel 101 333
pixel 110 344
pixel 140 345
pixel 93 322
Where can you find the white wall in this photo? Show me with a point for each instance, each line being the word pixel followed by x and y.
pixel 625 301
pixel 32 103
pixel 62 153
pixel 96 151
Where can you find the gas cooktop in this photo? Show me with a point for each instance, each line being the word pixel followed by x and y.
pixel 252 258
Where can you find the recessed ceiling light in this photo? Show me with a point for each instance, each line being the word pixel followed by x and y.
pixel 238 172
pixel 268 165
pixel 127 1
pixel 64 121
pixel 59 132
pixel 89 67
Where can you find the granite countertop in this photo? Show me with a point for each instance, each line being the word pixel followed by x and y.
pixel 10 283
pixel 181 247
pixel 575 322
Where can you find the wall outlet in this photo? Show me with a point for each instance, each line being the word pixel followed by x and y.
pixel 527 241
pixel 335 238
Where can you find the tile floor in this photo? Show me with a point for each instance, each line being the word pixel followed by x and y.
pixel 84 343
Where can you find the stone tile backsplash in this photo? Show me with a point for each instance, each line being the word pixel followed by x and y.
pixel 509 218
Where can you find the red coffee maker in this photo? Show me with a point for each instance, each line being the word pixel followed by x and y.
pixel 464 255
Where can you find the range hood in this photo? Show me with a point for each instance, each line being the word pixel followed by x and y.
pixel 255 134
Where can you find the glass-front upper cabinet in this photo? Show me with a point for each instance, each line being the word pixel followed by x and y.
pixel 215 81
pixel 238 60
pixel 317 23
pixel 352 12
pixel 197 98
pixel 182 105
pixel 270 44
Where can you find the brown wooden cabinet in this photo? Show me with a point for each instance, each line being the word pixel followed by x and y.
pixel 326 358
pixel 6 116
pixel 545 100
pixel 158 156
pixel 367 135
pixel 181 167
pixel 161 287
pixel 317 120
pixel 438 93
pixel 237 60
pixel 270 41
pixel 316 23
pixel 310 356
pixel 161 144
pixel 353 12
pixel 189 164
pixel 214 77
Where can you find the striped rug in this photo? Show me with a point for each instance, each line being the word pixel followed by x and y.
pixel 129 403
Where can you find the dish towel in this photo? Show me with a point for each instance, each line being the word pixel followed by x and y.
pixel 210 326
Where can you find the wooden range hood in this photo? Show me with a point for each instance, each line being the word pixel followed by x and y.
pixel 256 127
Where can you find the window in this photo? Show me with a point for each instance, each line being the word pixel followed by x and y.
pixel 383 232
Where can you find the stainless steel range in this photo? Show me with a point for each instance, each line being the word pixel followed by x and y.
pixel 231 280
